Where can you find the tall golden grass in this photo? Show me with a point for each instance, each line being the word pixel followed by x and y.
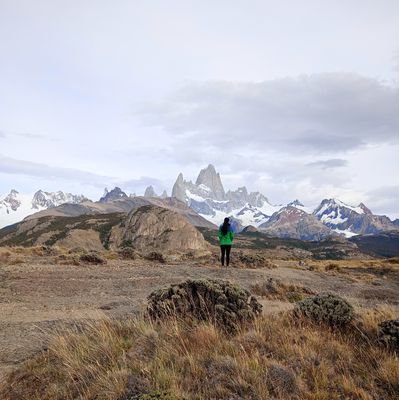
pixel 278 357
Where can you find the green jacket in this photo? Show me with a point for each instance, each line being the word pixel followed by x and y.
pixel 226 239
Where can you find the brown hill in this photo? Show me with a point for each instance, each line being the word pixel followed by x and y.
pixel 146 229
pixel 291 222
pixel 123 205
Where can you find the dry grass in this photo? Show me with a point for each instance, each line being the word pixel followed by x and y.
pixel 275 289
pixel 277 357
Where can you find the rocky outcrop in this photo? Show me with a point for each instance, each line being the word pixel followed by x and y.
pixel 114 194
pixel 151 228
pixel 291 222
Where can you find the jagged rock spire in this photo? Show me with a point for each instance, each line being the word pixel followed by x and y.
pixel 210 178
pixel 150 192
pixel 178 190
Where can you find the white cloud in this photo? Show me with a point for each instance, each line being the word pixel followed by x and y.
pixel 21 167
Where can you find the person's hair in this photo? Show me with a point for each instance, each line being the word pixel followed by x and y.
pixel 225 226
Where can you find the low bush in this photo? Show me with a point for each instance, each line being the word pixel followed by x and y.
pixel 326 308
pixel 92 258
pixel 214 300
pixel 155 256
pixel 388 333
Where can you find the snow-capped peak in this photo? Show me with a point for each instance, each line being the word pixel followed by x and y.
pixel 334 203
pixel 16 206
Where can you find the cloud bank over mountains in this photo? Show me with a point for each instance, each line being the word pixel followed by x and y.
pixel 321 113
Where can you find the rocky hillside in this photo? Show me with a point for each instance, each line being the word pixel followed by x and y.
pixel 147 228
pixel 152 227
pixel 125 204
pixel 291 222
pixel 382 245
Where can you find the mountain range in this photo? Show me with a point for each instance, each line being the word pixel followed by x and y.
pixel 332 217
pixel 206 203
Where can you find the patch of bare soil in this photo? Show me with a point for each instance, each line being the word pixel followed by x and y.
pixel 38 296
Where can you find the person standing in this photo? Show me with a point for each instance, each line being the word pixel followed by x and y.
pixel 226 237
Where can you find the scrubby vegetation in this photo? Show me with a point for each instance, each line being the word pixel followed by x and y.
pixel 388 333
pixel 92 258
pixel 277 356
pixel 221 302
pixel 326 308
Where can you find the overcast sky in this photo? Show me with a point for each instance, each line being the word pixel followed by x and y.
pixel 296 99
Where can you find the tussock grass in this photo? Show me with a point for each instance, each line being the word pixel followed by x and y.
pixel 275 289
pixel 277 356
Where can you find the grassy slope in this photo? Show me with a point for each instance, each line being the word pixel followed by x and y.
pixel 277 357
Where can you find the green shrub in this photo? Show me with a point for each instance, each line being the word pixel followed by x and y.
pixel 326 308
pixel 214 300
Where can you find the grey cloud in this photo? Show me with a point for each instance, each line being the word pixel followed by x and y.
pixel 328 164
pixel 139 185
pixel 384 200
pixel 14 166
pixel 396 61
pixel 326 113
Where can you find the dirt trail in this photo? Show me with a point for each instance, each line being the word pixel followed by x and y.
pixel 36 299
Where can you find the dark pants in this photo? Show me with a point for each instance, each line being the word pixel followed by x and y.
pixel 225 249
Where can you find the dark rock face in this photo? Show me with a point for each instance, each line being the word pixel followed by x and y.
pixel 291 222
pixel 396 222
pixel 114 194
pixel 295 203
pixel 212 300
